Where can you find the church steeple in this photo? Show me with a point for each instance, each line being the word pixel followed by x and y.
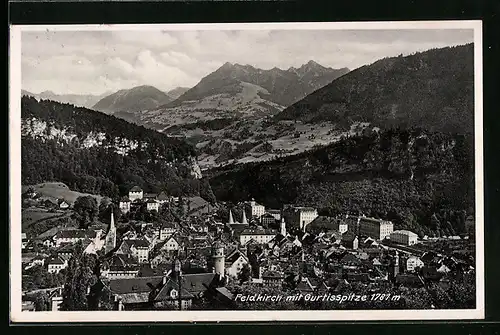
pixel 231 220
pixel 111 236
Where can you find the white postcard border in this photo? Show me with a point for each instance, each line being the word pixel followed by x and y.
pixel 16 314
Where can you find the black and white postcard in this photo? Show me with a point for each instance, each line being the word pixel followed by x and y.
pixel 246 172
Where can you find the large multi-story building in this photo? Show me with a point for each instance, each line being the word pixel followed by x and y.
pixel 299 217
pixel 405 237
pixel 375 228
pixel 260 236
pixel 256 210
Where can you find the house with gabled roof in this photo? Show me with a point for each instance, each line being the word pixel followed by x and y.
pixel 152 205
pixel 234 262
pixel 135 193
pixel 124 204
pixel 56 264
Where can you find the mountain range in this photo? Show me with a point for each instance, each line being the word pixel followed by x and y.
pixel 82 100
pixel 233 90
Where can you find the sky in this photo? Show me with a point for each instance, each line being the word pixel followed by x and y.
pixel 96 62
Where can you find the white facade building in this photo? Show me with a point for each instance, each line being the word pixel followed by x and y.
pixel 261 236
pixel 135 193
pixel 153 205
pixel 55 265
pixel 256 209
pixel 413 262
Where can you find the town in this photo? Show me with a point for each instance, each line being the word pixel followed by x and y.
pixel 159 252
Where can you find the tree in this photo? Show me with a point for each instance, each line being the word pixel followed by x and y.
pixel 86 210
pixel 245 273
pixel 80 276
pixel 42 302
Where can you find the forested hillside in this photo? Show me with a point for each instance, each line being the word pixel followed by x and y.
pixel 97 153
pixel 421 180
pixel 433 90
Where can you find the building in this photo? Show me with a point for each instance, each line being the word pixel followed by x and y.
pixel 256 209
pixel 375 228
pixel 299 217
pixel 69 236
pixel 139 249
pixel 404 237
pixel 24 241
pixel 276 213
pixel 56 264
pixel 153 205
pixel 267 219
pixel 171 244
pixel 349 240
pixel 260 236
pixel 413 263
pixel 162 198
pixel 218 258
pixel 234 262
pixel 166 230
pixel 272 278
pixel 120 267
pixel 135 193
pixel 63 204
pixel 110 243
pixel 124 204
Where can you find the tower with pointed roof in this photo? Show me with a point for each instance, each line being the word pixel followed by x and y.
pixel 231 220
pixel 111 236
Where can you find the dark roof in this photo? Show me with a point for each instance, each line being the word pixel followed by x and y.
pixel 138 243
pixel 163 196
pixel 250 231
pixel 134 285
pixel 136 189
pixel 195 283
pixel 56 260
pixel 272 274
pixel 233 257
pixel 164 293
pixel 74 233
pixel 124 199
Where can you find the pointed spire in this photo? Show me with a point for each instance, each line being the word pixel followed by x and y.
pixel 244 220
pixel 112 224
pixel 283 227
pixel 231 220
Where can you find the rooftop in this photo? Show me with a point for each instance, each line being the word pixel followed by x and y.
pixel 136 189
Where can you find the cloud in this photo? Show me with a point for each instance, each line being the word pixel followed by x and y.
pixel 98 61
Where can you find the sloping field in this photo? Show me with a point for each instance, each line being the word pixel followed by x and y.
pixel 57 190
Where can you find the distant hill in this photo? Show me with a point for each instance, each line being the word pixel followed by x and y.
pixel 177 92
pixel 432 89
pixel 95 153
pixel 136 99
pixel 80 100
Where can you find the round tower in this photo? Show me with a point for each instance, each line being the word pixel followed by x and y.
pixel 218 258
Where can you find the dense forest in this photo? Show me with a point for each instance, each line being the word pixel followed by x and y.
pixel 158 162
pixel 432 89
pixel 423 181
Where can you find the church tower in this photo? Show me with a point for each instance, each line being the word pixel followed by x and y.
pixel 218 258
pixel 283 227
pixel 231 220
pixel 111 236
